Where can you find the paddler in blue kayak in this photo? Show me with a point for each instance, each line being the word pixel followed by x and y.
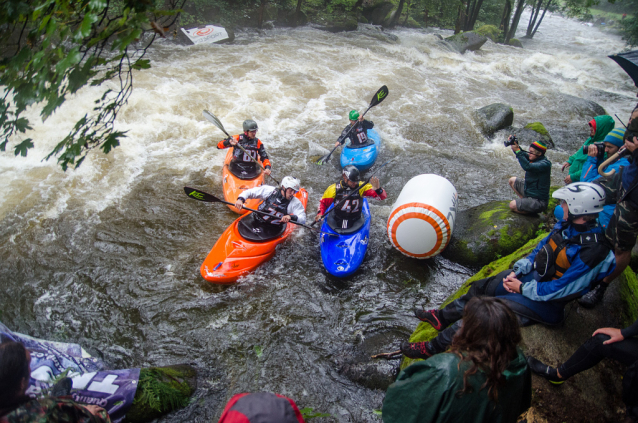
pixel 359 134
pixel 349 211
pixel 278 201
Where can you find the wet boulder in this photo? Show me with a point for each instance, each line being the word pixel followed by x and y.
pixel 377 32
pixel 357 365
pixel 342 24
pixel 486 232
pixel 494 117
pixel 377 12
pixel 575 107
pixel 466 41
pixel 515 43
pixel 593 395
pixel 531 132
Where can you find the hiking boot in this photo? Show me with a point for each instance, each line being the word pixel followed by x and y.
pixel 431 317
pixel 594 296
pixel 544 370
pixel 416 349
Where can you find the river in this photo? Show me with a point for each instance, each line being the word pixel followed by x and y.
pixel 108 255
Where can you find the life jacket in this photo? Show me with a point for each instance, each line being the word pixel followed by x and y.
pixel 350 210
pixel 240 164
pixel 277 204
pixel 358 136
pixel 551 261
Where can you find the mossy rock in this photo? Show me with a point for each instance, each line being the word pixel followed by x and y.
pixel 411 23
pixel 531 132
pixel 378 11
pixel 515 43
pixel 489 31
pixel 494 117
pixel 425 332
pixel 537 127
pixel 486 232
pixel 466 41
pixel 162 390
pixel 629 296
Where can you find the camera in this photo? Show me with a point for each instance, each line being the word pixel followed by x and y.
pixel 600 149
pixel 511 141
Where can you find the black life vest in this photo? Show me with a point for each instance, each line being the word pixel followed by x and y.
pixel 241 165
pixel 551 261
pixel 358 136
pixel 349 210
pixel 277 204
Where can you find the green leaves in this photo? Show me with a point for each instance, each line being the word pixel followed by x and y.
pixel 54 48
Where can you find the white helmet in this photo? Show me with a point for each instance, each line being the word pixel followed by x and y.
pixel 582 198
pixel 290 182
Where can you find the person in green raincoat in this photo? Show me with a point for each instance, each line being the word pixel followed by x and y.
pixel 483 377
pixel 599 127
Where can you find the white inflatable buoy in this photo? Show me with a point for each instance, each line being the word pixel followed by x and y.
pixel 422 218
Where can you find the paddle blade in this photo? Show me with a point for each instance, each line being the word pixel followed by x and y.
pixel 213 119
pixel 201 195
pixel 325 158
pixel 379 96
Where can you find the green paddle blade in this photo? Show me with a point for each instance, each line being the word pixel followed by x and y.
pixel 201 195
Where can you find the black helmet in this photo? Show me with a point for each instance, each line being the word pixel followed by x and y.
pixel 351 172
pixel 250 125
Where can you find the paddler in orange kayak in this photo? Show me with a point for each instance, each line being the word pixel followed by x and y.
pixel 241 165
pixel 278 201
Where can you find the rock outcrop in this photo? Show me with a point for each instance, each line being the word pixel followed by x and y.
pixel 466 41
pixel 494 117
pixel 531 132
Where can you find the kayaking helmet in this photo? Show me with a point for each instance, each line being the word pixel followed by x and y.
pixel 351 172
pixel 250 125
pixel 290 182
pixel 582 198
pixel 354 115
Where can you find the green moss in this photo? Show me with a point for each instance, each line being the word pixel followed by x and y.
pixel 515 43
pixel 487 215
pixel 537 127
pixel 425 332
pixel 489 31
pixel 161 390
pixel 629 296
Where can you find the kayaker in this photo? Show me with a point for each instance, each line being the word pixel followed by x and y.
pixel 241 165
pixel 350 211
pixel 278 201
pixel 359 134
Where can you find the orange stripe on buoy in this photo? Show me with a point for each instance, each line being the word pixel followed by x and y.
pixel 421 215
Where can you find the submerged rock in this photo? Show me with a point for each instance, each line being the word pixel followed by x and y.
pixel 593 395
pixel 579 107
pixel 494 117
pixel 466 41
pixel 486 232
pixel 377 32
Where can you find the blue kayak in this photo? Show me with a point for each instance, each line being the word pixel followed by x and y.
pixel 362 157
pixel 343 254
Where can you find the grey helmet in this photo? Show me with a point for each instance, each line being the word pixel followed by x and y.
pixel 352 173
pixel 250 125
pixel 582 198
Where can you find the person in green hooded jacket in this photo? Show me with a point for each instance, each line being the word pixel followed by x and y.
pixel 599 127
pixel 483 377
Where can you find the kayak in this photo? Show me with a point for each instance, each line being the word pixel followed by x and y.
pixel 344 253
pixel 234 255
pixel 233 186
pixel 362 157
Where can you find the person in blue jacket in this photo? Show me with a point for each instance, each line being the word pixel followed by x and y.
pixel 563 266
pixel 613 141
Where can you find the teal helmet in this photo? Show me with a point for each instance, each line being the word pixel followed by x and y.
pixel 354 115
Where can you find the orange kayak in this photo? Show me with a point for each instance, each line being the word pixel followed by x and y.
pixel 234 256
pixel 233 186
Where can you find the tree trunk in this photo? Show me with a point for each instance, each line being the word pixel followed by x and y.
pixel 505 20
pixel 468 13
pixel 425 17
pixel 460 19
pixel 395 18
pixel 532 18
pixel 262 8
pixel 541 19
pixel 520 5
pixel 474 16
pixel 407 13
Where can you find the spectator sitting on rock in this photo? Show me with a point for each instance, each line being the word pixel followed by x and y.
pixel 16 406
pixel 482 378
pixel 599 127
pixel 533 191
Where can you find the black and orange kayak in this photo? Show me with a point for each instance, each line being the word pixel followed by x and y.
pixel 233 186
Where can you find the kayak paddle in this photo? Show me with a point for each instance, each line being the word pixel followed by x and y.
pixel 209 198
pixel 379 96
pixel 213 119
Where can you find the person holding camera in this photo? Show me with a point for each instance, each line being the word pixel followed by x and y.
pixel 533 190
pixel 599 127
pixel 598 153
